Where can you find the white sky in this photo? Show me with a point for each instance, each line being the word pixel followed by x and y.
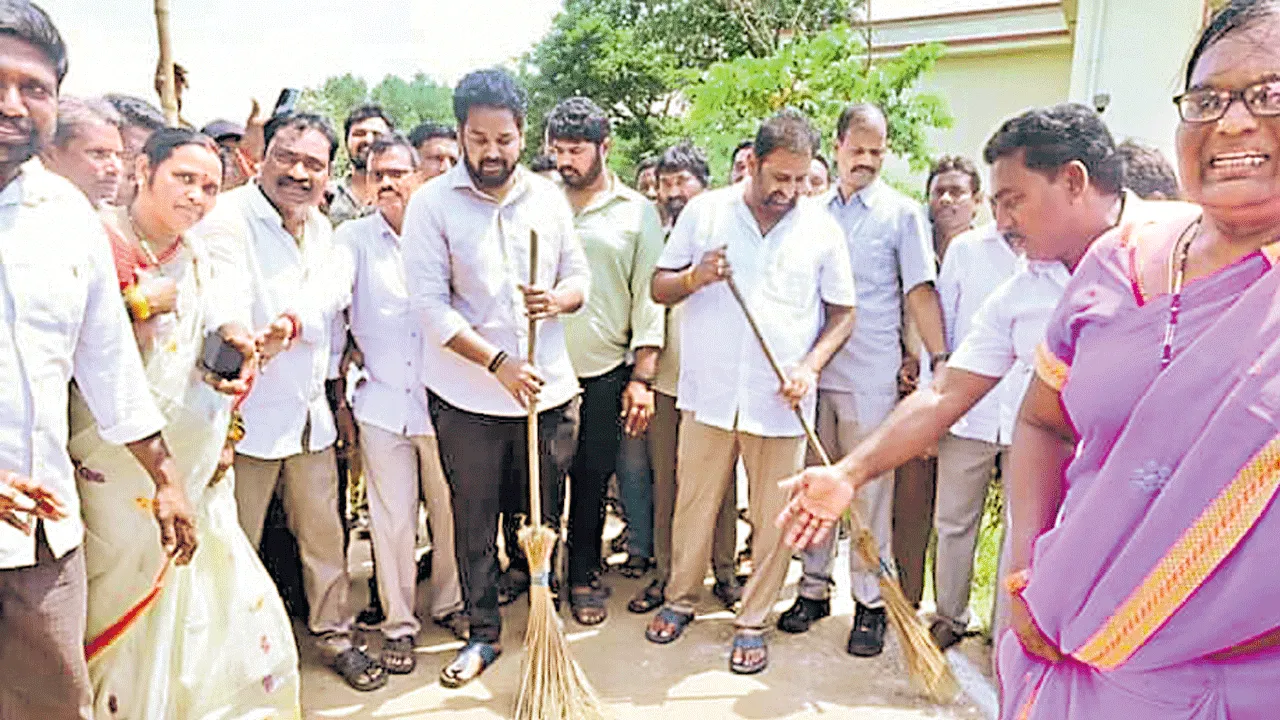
pixel 237 49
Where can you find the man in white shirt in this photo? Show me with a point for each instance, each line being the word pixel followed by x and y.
pixel 62 319
pixel 789 258
pixel 275 247
pixel 467 252
pixel 397 441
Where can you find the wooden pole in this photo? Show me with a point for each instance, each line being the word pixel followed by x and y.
pixel 168 91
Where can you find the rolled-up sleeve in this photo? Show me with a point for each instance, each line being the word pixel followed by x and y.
pixel 648 318
pixel 108 369
pixel 427 271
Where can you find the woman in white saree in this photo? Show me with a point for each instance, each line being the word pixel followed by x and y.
pixel 212 639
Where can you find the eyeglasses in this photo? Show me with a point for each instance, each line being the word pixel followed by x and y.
pixel 1209 105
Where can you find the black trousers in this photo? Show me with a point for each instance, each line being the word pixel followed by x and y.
pixel 482 455
pixel 595 461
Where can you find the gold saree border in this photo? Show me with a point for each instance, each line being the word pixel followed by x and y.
pixel 1197 554
pixel 1050 369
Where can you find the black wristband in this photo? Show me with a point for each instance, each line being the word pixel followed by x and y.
pixel 497 361
pixel 646 381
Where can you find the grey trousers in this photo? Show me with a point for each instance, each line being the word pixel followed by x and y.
pixel 43 675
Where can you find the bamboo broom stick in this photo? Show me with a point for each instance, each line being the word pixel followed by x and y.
pixel 168 90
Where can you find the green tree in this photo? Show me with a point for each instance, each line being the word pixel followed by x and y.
pixel 818 75
pixel 408 102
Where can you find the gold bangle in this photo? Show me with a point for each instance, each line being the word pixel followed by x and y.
pixel 689 281
pixel 139 307
pixel 1016 582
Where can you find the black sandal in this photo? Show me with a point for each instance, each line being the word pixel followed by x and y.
pixel 635 567
pixel 456 623
pixel 361 672
pixel 511 585
pixel 745 642
pixel 677 620
pixel 397 655
pixel 458 673
pixel 651 597
pixel 729 594
pixel 586 598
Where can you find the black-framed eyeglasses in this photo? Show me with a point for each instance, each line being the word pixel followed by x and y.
pixel 1209 105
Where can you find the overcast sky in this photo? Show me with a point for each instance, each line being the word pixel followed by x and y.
pixel 238 49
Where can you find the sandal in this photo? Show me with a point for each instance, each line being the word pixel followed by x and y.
pixel 398 656
pixel 588 605
pixel 635 567
pixel 361 672
pixel 464 667
pixel 456 623
pixel 511 585
pixel 744 642
pixel 677 621
pixel 647 599
pixel 729 594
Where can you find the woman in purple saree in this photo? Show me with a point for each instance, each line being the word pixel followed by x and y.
pixel 1149 587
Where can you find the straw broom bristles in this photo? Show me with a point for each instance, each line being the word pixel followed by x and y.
pixel 925 662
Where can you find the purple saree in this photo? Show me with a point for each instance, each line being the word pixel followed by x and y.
pixel 1162 553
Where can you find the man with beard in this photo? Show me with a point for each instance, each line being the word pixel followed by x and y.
pixel 437 146
pixel 270 238
pixel 790 261
pixel 888 242
pixel 621 235
pixel 683 174
pixel 139 119
pixel 62 320
pixel 397 442
pixel 354 196
pixel 467 251
pixel 87 148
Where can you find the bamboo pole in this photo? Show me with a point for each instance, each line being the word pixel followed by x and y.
pixel 168 90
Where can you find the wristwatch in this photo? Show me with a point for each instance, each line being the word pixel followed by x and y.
pixel 936 359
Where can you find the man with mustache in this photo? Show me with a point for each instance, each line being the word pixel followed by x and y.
pixel 87 148
pixel 437 146
pixel 276 247
pixel 397 441
pixel 354 196
pixel 790 261
pixel 140 119
pixel 621 235
pixel 61 319
pixel 467 252
pixel 888 242
pixel 682 175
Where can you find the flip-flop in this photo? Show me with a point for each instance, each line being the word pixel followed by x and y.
pixel 361 672
pixel 678 622
pixel 453 675
pixel 748 641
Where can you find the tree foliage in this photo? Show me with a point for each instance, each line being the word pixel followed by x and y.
pixel 819 76
pixel 408 102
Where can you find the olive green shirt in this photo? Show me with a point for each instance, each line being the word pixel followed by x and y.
pixel 621 234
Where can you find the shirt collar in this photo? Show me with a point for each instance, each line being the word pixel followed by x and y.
pixel 460 179
pixel 614 193
pixel 385 229
pixel 866 196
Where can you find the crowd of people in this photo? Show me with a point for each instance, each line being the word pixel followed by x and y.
pixel 199 322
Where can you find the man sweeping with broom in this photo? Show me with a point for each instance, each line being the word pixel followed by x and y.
pixel 468 245
pixel 790 262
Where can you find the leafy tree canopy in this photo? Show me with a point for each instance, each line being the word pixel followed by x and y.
pixel 408 102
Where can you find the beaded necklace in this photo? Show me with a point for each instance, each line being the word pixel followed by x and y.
pixel 1178 275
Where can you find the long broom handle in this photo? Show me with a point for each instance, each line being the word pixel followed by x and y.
pixel 535 468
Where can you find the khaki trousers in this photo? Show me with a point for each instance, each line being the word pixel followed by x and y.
pixel 708 457
pixel 43 675
pixel 664 435
pixel 839 429
pixel 309 488
pixel 965 467
pixel 398 468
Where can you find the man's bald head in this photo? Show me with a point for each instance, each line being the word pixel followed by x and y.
pixel 865 116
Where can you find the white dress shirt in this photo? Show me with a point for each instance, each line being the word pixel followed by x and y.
pixel 785 275
pixel 976 263
pixel 392 396
pixel 63 320
pixel 465 257
pixel 268 274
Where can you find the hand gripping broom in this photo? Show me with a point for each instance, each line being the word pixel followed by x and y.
pixel 924 660
pixel 553 687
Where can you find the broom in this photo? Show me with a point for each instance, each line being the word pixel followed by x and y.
pixel 925 661
pixel 553 686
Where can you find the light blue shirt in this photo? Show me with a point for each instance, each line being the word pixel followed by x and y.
pixel 891 251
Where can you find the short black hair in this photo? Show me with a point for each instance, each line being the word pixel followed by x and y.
pixel 494 87
pixel 392 141
pixel 578 119
pixel 1147 172
pixel 31 24
pixel 366 112
pixel 955 163
pixel 1235 15
pixel 75 113
pixel 1054 136
pixel 862 113
pixel 743 145
pixel 431 130
pixel 542 162
pixel 685 156
pixel 822 159
pixel 301 121
pixel 163 142
pixel 136 112
pixel 787 129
